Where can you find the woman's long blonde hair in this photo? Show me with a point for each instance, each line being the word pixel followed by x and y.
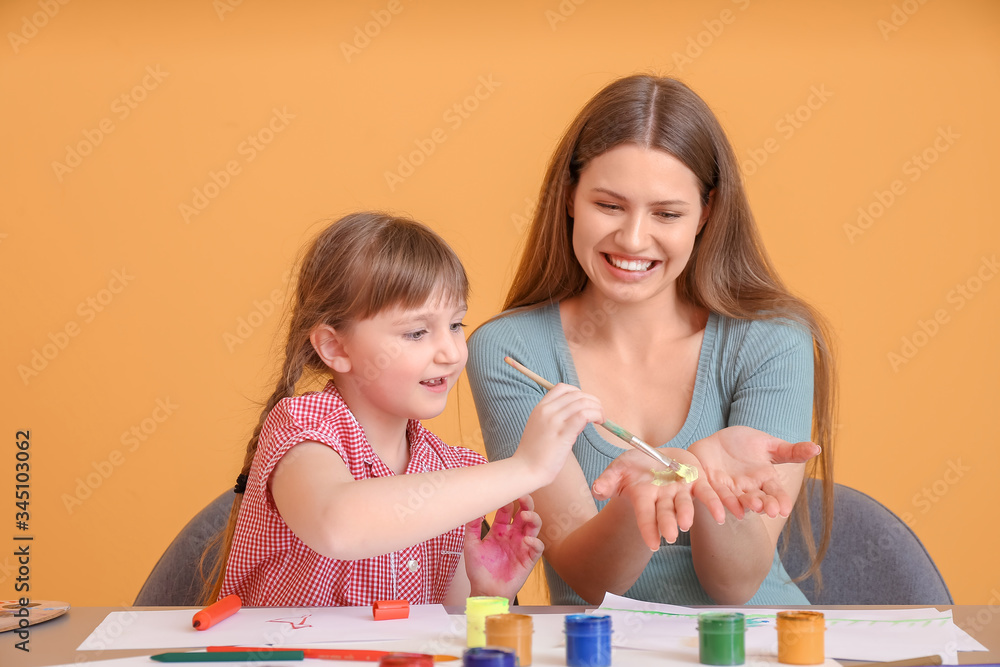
pixel 357 267
pixel 729 272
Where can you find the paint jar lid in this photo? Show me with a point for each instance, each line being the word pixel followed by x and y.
pixel 484 606
pixel 509 624
pixel 489 656
pixel 721 622
pixel 587 624
pixel 803 621
pixel 406 660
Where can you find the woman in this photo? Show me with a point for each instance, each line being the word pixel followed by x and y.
pixel 644 282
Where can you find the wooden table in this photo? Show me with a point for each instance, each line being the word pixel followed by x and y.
pixel 54 642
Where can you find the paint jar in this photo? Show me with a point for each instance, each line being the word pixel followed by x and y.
pixel 800 637
pixel 406 660
pixel 588 640
pixel 513 631
pixel 476 611
pixel 721 638
pixel 489 656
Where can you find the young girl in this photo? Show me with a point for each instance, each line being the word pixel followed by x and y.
pixel 346 498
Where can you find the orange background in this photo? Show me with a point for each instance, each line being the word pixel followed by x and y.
pixel 139 316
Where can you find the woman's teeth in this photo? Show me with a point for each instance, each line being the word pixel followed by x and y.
pixel 631 265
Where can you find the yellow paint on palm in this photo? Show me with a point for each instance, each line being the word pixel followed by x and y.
pixel 685 474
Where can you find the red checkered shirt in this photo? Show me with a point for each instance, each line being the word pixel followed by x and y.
pixel 270 566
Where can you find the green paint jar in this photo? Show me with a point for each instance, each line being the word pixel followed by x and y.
pixel 720 638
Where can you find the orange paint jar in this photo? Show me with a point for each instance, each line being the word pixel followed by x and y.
pixel 800 637
pixel 513 631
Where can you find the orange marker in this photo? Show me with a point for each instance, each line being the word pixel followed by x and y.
pixel 216 612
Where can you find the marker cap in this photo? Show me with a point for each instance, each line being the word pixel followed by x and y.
pixel 385 610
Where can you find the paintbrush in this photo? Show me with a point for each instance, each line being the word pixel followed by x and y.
pixel 685 472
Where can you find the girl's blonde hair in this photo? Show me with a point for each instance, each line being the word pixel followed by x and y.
pixel 357 267
pixel 729 271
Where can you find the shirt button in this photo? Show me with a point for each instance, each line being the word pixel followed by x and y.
pixel 412 565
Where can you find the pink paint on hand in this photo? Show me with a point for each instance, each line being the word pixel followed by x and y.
pixel 504 552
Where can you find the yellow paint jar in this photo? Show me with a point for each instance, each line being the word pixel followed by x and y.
pixel 800 637
pixel 476 610
pixel 513 631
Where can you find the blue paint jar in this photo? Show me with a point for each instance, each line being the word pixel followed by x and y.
pixel 588 640
pixel 489 656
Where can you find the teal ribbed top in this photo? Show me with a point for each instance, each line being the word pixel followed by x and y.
pixel 756 373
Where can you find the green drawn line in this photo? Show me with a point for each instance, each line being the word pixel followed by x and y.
pixel 669 613
pixel 853 621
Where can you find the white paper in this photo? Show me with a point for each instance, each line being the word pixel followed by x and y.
pixel 266 626
pixel 868 634
pixel 548 650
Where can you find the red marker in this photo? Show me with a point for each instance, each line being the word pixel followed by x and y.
pixel 216 612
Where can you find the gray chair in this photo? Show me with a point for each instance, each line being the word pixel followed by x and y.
pixel 176 578
pixel 874 557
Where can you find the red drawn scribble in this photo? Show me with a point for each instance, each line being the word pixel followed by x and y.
pixel 297 622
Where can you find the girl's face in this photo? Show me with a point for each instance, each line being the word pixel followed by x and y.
pixel 405 361
pixel 636 214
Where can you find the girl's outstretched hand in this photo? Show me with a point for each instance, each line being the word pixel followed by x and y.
pixel 499 564
pixel 662 506
pixel 740 464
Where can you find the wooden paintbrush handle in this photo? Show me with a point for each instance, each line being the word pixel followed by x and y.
pixel 531 374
